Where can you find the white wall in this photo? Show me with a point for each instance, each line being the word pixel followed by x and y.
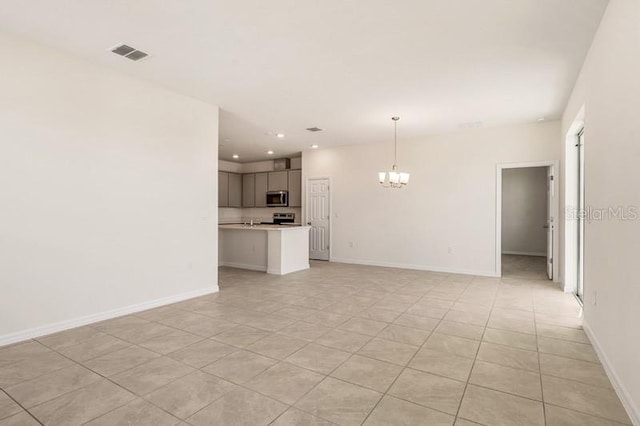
pixel 524 211
pixel 449 202
pixel 108 187
pixel 609 89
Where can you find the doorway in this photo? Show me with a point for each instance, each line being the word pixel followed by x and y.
pixel 318 217
pixel 526 208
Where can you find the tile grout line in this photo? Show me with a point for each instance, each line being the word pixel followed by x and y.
pixel 142 397
pixel 464 392
pixel 21 406
pixel 386 392
pixel 404 368
pixel 111 381
pixel 351 354
pixel 279 361
pixel 72 390
pixel 535 326
pixel 596 416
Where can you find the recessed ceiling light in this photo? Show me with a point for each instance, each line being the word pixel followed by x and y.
pixel 280 135
pixel 270 152
pixel 236 156
pixel 314 146
pixel 541 119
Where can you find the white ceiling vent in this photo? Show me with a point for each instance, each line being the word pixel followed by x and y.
pixel 314 129
pixel 471 125
pixel 129 52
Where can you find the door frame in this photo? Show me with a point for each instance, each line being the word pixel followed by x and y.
pixel 306 200
pixel 555 168
pixel 570 175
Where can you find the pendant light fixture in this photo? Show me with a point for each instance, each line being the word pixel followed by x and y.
pixel 394 178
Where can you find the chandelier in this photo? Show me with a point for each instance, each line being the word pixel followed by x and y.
pixel 394 178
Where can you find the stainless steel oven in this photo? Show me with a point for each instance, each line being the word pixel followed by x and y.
pixel 280 218
pixel 277 199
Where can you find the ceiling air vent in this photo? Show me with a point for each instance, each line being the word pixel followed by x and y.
pixel 129 52
pixel 471 125
pixel 314 129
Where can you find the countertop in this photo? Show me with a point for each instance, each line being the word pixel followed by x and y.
pixel 243 227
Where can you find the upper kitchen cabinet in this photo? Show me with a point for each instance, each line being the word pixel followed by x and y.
pixel 295 188
pixel 235 190
pixel 223 189
pixel 229 189
pixel 261 189
pixel 249 190
pixel 278 181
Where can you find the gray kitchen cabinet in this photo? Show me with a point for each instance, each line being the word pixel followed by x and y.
pixel 261 187
pixel 235 190
pixel 278 181
pixel 249 190
pixel 223 189
pixel 295 188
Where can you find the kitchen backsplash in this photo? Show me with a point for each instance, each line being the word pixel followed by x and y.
pixel 235 215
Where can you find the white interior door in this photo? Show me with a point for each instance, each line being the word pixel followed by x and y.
pixel 318 215
pixel 550 221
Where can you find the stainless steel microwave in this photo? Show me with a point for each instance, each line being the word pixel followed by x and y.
pixel 277 199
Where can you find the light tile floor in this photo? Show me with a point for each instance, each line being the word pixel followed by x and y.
pixel 337 344
pixel 515 266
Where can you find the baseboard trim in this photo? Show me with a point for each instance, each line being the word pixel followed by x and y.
pixel 633 411
pixel 296 269
pixel 44 330
pixel 525 253
pixel 243 266
pixel 414 267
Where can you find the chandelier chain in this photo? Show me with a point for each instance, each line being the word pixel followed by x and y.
pixel 395 140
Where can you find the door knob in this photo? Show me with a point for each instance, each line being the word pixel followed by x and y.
pixel 309 223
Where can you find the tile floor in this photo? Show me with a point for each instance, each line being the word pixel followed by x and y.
pixel 515 266
pixel 337 344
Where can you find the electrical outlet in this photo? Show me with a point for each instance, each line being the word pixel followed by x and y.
pixel 450 250
pixel 594 301
pixel 350 244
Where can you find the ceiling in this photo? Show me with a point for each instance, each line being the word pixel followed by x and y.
pixel 347 66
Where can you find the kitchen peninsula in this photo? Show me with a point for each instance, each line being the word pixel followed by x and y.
pixel 274 249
